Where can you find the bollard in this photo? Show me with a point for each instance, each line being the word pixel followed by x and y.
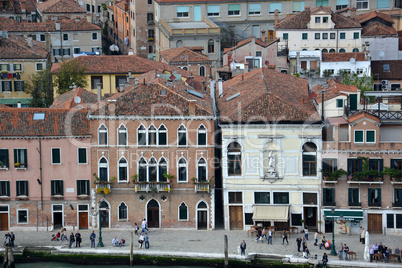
pixel 131 249
pixel 8 261
pixel 226 251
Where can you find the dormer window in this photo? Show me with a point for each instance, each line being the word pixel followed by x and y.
pixel 325 19
pixel 317 19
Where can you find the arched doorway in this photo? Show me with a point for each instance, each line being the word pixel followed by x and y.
pixel 104 214
pixel 153 214
pixel 202 216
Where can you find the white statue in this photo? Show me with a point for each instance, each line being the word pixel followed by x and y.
pixel 271 162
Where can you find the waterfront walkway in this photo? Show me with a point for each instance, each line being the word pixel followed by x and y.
pixel 207 244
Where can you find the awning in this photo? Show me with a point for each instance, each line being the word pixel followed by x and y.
pixel 348 214
pixel 271 213
pixel 15 100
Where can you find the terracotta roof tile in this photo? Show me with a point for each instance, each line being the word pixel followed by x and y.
pixel 66 100
pixel 343 56
pixel 266 96
pixel 4 106
pixel 361 115
pixel 395 67
pixel 57 122
pixel 378 29
pixel 17 47
pixel 60 6
pixel 248 40
pixel 29 6
pixel 183 54
pixel 333 90
pixel 123 5
pixel 374 14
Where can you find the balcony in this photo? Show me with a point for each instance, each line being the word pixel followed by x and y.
pixel 329 204
pixel 201 187
pixel 397 205
pixel 355 204
pixel 153 187
pixel 103 187
pixel 365 177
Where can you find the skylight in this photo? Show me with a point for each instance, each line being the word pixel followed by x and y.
pixel 39 116
pixel 233 96
pixel 195 93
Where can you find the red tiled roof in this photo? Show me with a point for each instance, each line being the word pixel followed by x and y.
pixel 123 5
pixel 57 122
pixel 60 6
pixel 374 14
pixel 333 90
pixel 67 101
pixel 248 40
pixel 183 54
pixel 10 25
pixel 29 6
pixel 337 121
pixel 395 66
pixel 361 115
pixel 17 47
pixel 4 106
pixel 193 1
pixel 266 96
pixel 378 29
pixel 302 19
pixel 343 56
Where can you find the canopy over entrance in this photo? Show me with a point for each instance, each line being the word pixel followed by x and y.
pixel 347 214
pixel 271 213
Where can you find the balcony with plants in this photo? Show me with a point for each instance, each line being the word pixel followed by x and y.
pixel 332 176
pixel 153 186
pixel 395 175
pixel 202 185
pixel 366 175
pixel 102 185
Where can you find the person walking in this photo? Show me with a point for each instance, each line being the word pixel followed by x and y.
pixel 324 260
pixel 243 246
pixel 341 252
pixel 71 240
pixel 360 234
pixel 270 236
pixel 285 237
pixel 136 229
pixel 141 240
pixel 146 241
pixel 77 239
pixel 346 250
pixel 144 226
pixel 298 242
pixel 306 232
pixel 363 236
pixel 63 232
pixel 12 236
pixel 92 238
pixel 315 238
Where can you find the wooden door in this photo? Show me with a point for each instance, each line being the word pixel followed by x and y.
pixel 202 220
pixel 236 217
pixel 104 214
pixel 375 223
pixel 83 220
pixel 153 217
pixel 3 221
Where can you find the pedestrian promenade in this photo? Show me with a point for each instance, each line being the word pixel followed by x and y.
pixel 207 244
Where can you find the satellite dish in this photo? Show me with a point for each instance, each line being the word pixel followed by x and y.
pixel 77 99
pixel 381 54
pixel 352 60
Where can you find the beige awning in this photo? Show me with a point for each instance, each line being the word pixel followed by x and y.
pixel 271 213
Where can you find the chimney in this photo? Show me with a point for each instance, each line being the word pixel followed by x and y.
pixel 112 107
pixel 77 19
pixel 276 12
pixel 58 26
pixel 99 88
pixel 263 38
pixel 220 87
pixel 353 13
pixel 23 7
pixel 191 107
pixel 307 8
pixel 29 40
pixel 18 104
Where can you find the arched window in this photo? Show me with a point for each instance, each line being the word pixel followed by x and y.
pixel 142 135
pixel 183 212
pixel 102 135
pixel 202 205
pixel 151 135
pixel 182 165
pixel 202 170
pixel 122 135
pixel 152 170
pixel 355 49
pixel 202 70
pixel 185 68
pixel 182 136
pixel 179 43
pixel 325 50
pixel 162 166
pixel 122 211
pixel 211 46
pixel 332 50
pixel 304 49
pixel 202 136
pixel 309 159
pixel 162 135
pixel 342 50
pixel 123 170
pixel 103 170
pixel 142 170
pixel 234 159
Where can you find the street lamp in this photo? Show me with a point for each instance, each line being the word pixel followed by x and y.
pixel 100 243
pixel 333 251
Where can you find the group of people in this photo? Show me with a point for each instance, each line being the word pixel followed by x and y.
pixel 118 243
pixel 302 242
pixel 143 239
pixel 75 238
pixel 384 251
pixel 10 238
pixel 265 234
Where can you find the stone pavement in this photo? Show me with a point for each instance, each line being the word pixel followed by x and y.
pixel 204 244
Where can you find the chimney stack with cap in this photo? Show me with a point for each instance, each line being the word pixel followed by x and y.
pixel 19 104
pixel 263 38
pixel 99 88
pixel 191 107
pixel 353 13
pixel 276 12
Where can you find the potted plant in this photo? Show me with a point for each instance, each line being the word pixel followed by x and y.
pixel 135 178
pixel 168 177
pixel 393 173
pixel 18 164
pixel 194 179
pixel 333 176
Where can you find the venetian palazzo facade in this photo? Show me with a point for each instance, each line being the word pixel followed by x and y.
pixel 152 157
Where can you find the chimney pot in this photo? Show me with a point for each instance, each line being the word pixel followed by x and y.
pixel 191 107
pixel 263 38
pixel 18 104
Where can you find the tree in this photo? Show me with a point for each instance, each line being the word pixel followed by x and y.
pixel 70 74
pixel 364 83
pixel 40 87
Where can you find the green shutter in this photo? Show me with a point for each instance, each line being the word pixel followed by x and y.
pixel 370 137
pixel 350 195
pixel 78 188
pixel 18 188
pixel 7 188
pixel 15 156
pixel 324 195
pixel 61 188
pixel 359 136
pixel 26 158
pixel 26 188
pixel 370 193
pixel 52 187
pixel 379 195
pixel 87 187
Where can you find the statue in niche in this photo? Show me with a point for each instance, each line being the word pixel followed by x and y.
pixel 271 165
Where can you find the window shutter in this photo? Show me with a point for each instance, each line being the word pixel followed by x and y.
pixel 392 163
pixel 332 194
pixel 78 188
pixel 26 187
pixel 381 165
pixel 15 156
pixel 379 195
pixel 61 188
pixel 350 168
pixel 370 193
pixel 325 165
pixel 350 195
pixel 87 187
pixel 18 188
pixel 52 187
pixel 324 195
pixel 7 188
pixel 360 164
pixel 26 158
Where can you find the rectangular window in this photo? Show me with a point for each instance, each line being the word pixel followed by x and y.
pixel 374 197
pixel 82 156
pixel 317 19
pixel 42 38
pixel 323 3
pixel 362 4
pixel 83 187
pixel 254 9
pixel 6 85
pixel 120 80
pixel 317 36
pixel 182 12
pixel 4 67
pixel 355 35
pixel 281 198
pixel 56 156
pixel 39 66
pixel 332 35
pixel 285 36
pixel 213 11
pixel 329 165
pixel 95 80
pixel 309 198
pixel 359 136
pixel 296 219
pixel 4 188
pixel 354 165
pixel 234 10
pixel 56 52
pixel 298 6
pixel 339 103
pixel 275 6
pixel 99 9
pixel 20 158
pixel 235 198
pixel 17 67
pixel 354 197
pixel 342 35
pixel 382 3
pixel 262 197
pixel 328 196
pixel 324 19
pixel 395 87
pixel 340 4
pixel 398 219
pixel 151 34
pixel 22 216
pixel 325 36
pixel 22 188
pixel 94 36
pixel 77 50
pixel 57 187
pixel 66 52
pixel 304 36
pixel 18 85
pixel 88 7
pixel 4 158
pixel 248 218
pixel 370 136
pixel 65 37
pixel 397 197
pixel 390 220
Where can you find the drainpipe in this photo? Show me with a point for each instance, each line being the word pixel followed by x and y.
pixel 40 173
